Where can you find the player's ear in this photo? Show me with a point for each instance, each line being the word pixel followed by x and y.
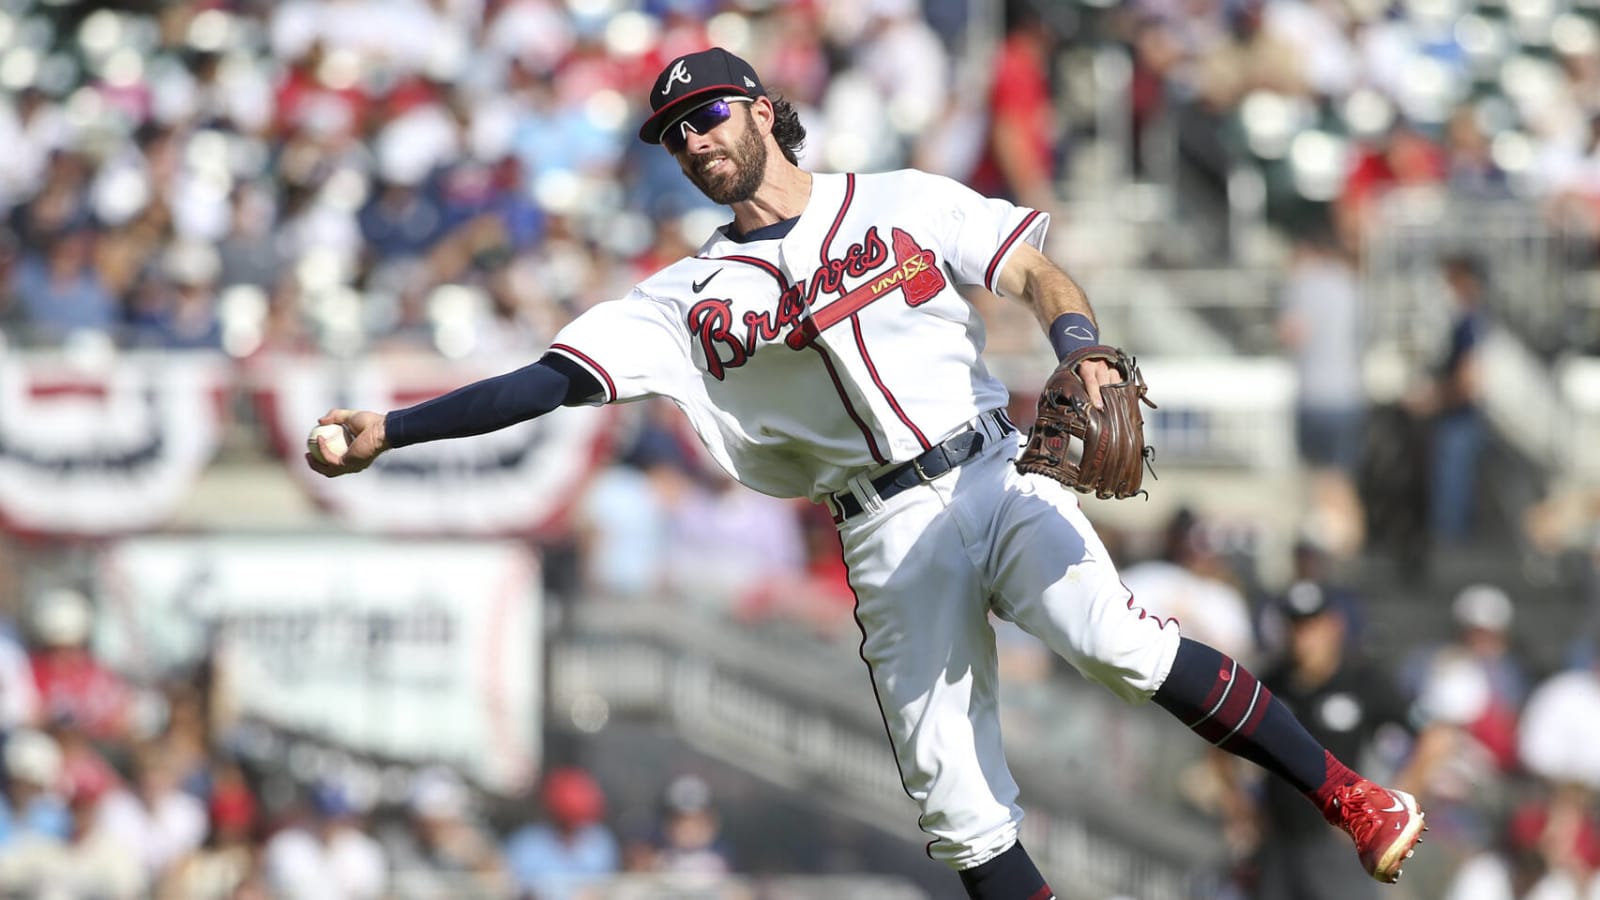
pixel 764 114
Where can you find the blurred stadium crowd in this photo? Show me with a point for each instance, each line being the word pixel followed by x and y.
pixel 460 177
pixel 307 176
pixel 115 790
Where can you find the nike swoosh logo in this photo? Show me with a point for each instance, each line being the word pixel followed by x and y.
pixel 1397 807
pixel 700 285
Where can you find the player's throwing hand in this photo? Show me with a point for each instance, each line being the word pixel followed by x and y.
pixel 366 444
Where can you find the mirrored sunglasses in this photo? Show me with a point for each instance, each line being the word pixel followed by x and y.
pixel 699 120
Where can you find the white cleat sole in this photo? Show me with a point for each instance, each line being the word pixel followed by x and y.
pixel 1388 868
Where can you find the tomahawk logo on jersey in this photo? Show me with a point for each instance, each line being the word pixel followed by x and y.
pixel 726 345
pixel 841 346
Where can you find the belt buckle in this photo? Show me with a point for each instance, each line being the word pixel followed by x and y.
pixel 916 466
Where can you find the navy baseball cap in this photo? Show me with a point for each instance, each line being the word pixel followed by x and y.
pixel 689 81
pixel 1304 600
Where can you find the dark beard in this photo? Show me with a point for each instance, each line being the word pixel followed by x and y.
pixel 749 161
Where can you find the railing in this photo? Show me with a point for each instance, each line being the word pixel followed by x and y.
pixel 1532 283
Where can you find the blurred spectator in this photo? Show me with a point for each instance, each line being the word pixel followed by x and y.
pixel 624 519
pixel 154 817
pixel 558 858
pixel 1450 402
pixel 1191 583
pixel 31 128
pixel 691 831
pixel 32 802
pixel 1482 615
pixel 329 857
pixel 1253 57
pixel 318 94
pixel 85 771
pixel 1403 157
pixel 1311 563
pixel 1459 750
pixel 1320 325
pixel 401 220
pixel 72 684
pixel 907 64
pixel 553 136
pixel 1343 701
pixel 817 598
pixel 1471 169
pixel 60 205
pixel 92 862
pixel 441 847
pixel 248 253
pixel 227 861
pixel 1018 161
pixel 1220 72
pixel 1549 851
pixel 1570 170
pixel 1560 727
pixel 185 740
pixel 60 291
pixel 178 309
pixel 726 540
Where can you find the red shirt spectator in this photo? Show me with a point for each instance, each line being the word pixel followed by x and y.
pixel 72 684
pixel 1018 155
pixel 306 100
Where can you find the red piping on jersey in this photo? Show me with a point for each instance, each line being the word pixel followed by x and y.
pixel 994 264
pixel 838 385
pixel 838 218
pixel 1160 622
pixel 855 321
pixel 861 344
pixel 611 386
pixel 769 268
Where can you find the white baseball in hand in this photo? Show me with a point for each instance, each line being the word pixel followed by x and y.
pixel 337 436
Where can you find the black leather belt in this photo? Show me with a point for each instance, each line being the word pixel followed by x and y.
pixel 955 452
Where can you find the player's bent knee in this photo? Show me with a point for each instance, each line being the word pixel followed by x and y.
pixel 1129 651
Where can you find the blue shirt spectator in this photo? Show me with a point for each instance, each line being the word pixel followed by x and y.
pixel 60 292
pixel 30 806
pixel 556 865
pixel 557 859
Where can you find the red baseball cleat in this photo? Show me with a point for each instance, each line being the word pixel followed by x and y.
pixel 1386 825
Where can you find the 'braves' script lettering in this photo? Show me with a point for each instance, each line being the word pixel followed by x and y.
pixel 915 271
pixel 710 321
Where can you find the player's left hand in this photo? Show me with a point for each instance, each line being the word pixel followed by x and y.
pixel 367 443
pixel 1094 373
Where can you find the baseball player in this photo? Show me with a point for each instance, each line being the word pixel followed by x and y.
pixel 820 347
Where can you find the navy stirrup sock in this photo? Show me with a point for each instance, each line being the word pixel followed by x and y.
pixel 1222 702
pixel 1009 876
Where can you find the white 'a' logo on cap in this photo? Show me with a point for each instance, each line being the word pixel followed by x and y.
pixel 680 72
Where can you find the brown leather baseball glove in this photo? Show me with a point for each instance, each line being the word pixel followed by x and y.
pixel 1099 451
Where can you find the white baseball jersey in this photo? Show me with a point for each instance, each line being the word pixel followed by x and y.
pixel 809 360
pixel 840 347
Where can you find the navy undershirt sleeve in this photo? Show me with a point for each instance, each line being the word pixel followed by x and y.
pixel 494 403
